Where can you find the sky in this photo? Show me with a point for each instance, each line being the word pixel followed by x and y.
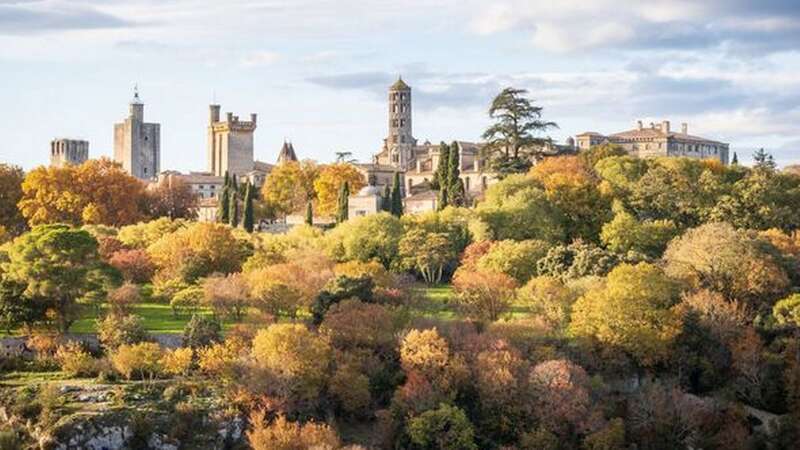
pixel 316 72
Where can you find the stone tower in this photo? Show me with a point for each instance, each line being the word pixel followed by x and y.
pixel 137 145
pixel 68 151
pixel 287 153
pixel 230 143
pixel 400 142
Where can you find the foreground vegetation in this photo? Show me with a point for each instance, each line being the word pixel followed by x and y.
pixel 597 301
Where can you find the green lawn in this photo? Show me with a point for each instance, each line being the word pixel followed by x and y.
pixel 157 317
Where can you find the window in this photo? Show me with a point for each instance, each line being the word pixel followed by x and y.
pixel 466 184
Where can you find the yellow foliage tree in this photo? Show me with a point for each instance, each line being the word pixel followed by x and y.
pixel 290 186
pixel 330 180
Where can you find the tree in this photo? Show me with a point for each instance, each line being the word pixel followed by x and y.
pixel 483 295
pixel 171 197
pixel 455 185
pixel 228 296
pixel 198 250
pixel 516 208
pixel 96 192
pixel 734 263
pixel 735 159
pixel 624 235
pixel 141 360
pixel 426 252
pixel 134 265
pixel 633 312
pixel 60 264
pixel 282 434
pixel 202 332
pixel 295 356
pixel 516 259
pixel 562 392
pixel 309 213
pixel 375 236
pixel 329 184
pixel 248 221
pixel 142 234
pixel 440 175
pixel 397 196
pixel 764 161
pixel 116 330
pixel 223 205
pixel 549 298
pixel 511 142
pixel 233 209
pixel 444 428
pixel 352 324
pixel 289 186
pixel 122 299
pixel 576 260
pixel 343 203
pixel 11 178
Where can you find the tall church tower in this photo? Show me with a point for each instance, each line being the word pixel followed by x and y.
pixel 400 142
pixel 230 143
pixel 137 145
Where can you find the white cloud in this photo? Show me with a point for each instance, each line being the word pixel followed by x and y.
pixel 260 58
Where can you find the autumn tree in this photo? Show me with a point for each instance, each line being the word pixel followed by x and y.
pixel 142 234
pixel 171 197
pixel 289 186
pixel 228 296
pixel 11 218
pixel 512 143
pixel 562 392
pixel 516 259
pixel 282 434
pixel 375 236
pixel 548 297
pixel 134 265
pixel 444 428
pixel 425 253
pixel 625 234
pixel 632 312
pixel 60 264
pixel 483 295
pixel 295 356
pixel 330 181
pixel 91 193
pixel 732 262
pixel 198 250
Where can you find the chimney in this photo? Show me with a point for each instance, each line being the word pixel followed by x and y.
pixel 665 126
pixel 639 125
pixel 685 128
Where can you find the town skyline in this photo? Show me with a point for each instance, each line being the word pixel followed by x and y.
pixel 724 67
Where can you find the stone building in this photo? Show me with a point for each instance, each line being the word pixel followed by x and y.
pixel 416 162
pixel 659 140
pixel 137 144
pixel 230 144
pixel 367 201
pixel 68 151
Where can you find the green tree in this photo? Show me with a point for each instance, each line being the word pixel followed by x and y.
pixel 248 221
pixel 309 213
pixel 735 160
pixel 386 199
pixel 223 203
pixel 633 312
pixel 455 185
pixel 440 175
pixel 511 143
pixel 443 428
pixel 397 196
pixel 61 264
pixel 764 160
pixel 364 238
pixel 233 209
pixel 342 210
pixel 426 253
pixel 11 219
pixel 624 234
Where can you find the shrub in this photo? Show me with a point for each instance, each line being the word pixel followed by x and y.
pixel 121 300
pixel 76 361
pixel 549 298
pixel 177 361
pixel 201 331
pixel 142 361
pixel 351 390
pixel 113 331
pixel 282 434
pixel 218 360
pixel 787 311
pixel 186 300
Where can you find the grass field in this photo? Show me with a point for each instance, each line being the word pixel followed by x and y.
pixel 157 318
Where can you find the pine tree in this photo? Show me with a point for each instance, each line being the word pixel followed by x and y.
pixel 344 203
pixel 764 160
pixel 735 160
pixel 223 204
pixel 386 199
pixel 397 196
pixel 233 210
pixel 248 220
pixel 455 185
pixel 309 213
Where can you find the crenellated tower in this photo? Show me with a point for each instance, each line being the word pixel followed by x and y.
pixel 230 143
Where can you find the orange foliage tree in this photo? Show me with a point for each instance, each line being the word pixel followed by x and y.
pixel 330 180
pixel 96 192
pixel 290 186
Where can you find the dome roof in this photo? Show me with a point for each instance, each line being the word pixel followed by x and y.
pixel 369 191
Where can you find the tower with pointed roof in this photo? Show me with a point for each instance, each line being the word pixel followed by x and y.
pixel 137 144
pixel 287 153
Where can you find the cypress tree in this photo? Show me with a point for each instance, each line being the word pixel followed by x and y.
pixel 248 221
pixel 735 160
pixel 309 213
pixel 233 210
pixel 386 199
pixel 223 204
pixel 440 175
pixel 234 185
pixel 397 197
pixel 455 185
pixel 227 181
pixel 344 203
